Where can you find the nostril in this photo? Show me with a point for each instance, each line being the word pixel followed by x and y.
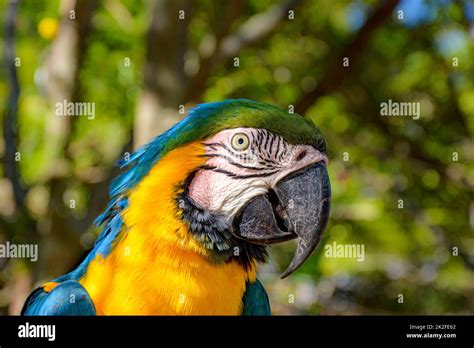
pixel 301 155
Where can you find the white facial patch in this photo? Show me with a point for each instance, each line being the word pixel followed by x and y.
pixel 244 163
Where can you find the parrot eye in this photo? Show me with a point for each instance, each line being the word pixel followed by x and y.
pixel 240 141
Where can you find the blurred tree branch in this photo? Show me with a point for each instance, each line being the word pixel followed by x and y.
pixel 440 235
pixel 466 23
pixel 198 82
pixel 417 155
pixel 10 129
pixel 121 14
pixel 253 30
pixel 60 72
pixel 10 124
pixel 61 81
pixel 163 72
pixel 20 281
pixel 335 73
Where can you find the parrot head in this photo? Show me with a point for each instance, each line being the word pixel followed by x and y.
pixel 258 178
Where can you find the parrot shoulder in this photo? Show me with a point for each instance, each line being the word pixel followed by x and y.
pixel 255 300
pixel 66 298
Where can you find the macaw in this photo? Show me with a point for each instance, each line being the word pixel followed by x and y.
pixel 190 220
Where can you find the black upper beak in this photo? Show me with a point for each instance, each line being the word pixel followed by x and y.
pixel 297 207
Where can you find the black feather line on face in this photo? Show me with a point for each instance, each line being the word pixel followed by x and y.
pixel 231 162
pixel 211 230
pixel 259 175
pixel 281 147
pixel 235 176
pixel 218 170
pixel 258 140
pixel 266 140
pixel 271 143
pixel 238 165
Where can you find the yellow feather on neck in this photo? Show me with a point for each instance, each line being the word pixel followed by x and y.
pixel 157 267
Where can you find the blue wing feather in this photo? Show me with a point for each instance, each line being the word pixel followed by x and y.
pixel 68 298
pixel 255 300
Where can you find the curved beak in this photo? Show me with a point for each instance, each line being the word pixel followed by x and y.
pixel 297 207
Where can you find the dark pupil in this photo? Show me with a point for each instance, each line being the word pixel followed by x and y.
pixel 240 141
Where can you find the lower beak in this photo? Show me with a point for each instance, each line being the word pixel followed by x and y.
pixel 297 207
